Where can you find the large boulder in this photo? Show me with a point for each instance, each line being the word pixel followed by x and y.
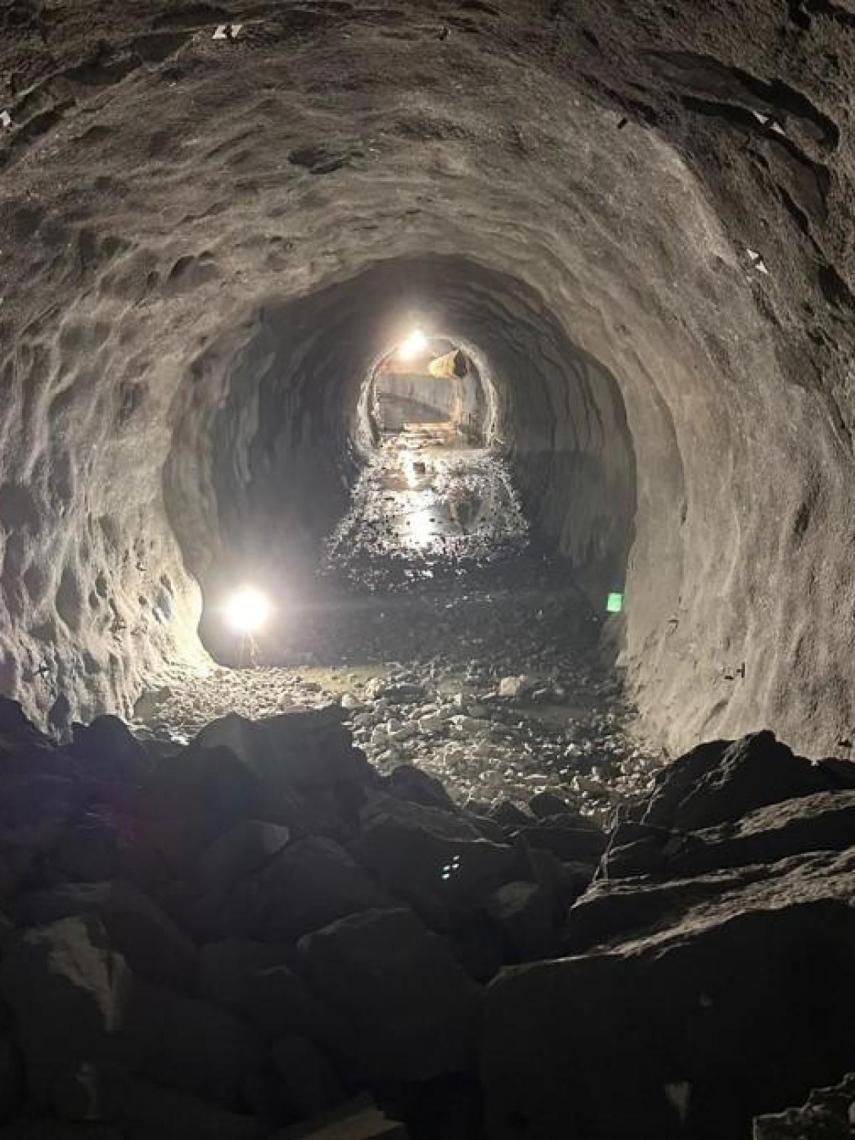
pixel 309 884
pixel 732 1006
pixel 722 780
pixel 254 981
pixel 824 821
pixel 411 1007
pixel 145 1111
pixel 108 752
pixel 191 798
pixel 527 918
pixel 307 1082
pixel 188 1045
pixel 69 992
pixel 34 799
pixel 245 848
pixel 407 782
pixel 828 1114
pixel 150 942
pixel 311 775
pixel 433 859
pixel 570 839
pixel 613 908
pixel 547 805
pixel 89 850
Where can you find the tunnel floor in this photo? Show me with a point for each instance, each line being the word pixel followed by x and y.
pixel 427 505
pixel 451 641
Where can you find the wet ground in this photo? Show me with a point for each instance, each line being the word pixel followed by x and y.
pixel 429 507
pixel 451 642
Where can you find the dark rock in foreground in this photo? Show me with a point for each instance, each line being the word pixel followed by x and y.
pixel 829 1114
pixel 231 940
pixel 412 1008
pixel 724 1007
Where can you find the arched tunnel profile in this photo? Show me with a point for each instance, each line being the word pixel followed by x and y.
pixel 426 476
pixel 265 446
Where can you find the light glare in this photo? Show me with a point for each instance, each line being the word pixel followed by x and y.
pixel 247 610
pixel 415 343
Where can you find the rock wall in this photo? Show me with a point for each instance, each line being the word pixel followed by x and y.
pixel 640 216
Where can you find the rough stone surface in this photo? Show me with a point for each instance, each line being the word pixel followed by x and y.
pixel 150 943
pixel 642 209
pixel 470 968
pixel 764 963
pixel 355 1121
pixel 825 821
pixel 309 884
pixel 69 992
pixel 189 1045
pixel 721 781
pixel 143 1110
pixel 412 1009
pixel 828 1114
pixel 254 980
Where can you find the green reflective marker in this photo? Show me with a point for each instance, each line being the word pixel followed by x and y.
pixel 614 605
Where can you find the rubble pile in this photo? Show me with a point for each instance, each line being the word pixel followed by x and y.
pixel 260 934
pixel 495 686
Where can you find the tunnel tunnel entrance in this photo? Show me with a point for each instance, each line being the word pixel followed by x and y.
pixel 429 381
pixel 435 494
pixel 417 479
pixel 282 421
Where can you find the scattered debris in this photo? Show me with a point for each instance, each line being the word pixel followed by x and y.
pixel 450 644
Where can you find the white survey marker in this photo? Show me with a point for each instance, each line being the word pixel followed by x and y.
pixel 757 261
pixel 227 31
pixel 769 122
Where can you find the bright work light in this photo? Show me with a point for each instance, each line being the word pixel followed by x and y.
pixel 247 610
pixel 415 343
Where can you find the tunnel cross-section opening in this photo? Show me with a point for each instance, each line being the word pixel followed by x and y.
pixel 286 413
pixel 433 382
pixel 427 452
pixel 435 494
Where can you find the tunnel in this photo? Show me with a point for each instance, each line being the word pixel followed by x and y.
pixel 640 331
pixel 466 386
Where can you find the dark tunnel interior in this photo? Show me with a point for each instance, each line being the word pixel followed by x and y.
pixel 426 481
pixel 268 434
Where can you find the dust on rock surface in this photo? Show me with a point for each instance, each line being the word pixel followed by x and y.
pixel 452 643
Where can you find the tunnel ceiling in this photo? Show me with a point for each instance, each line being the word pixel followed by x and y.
pixel 665 188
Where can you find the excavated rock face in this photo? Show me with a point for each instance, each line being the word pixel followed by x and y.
pixel 636 217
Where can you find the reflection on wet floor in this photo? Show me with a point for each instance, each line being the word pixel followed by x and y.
pixel 426 503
